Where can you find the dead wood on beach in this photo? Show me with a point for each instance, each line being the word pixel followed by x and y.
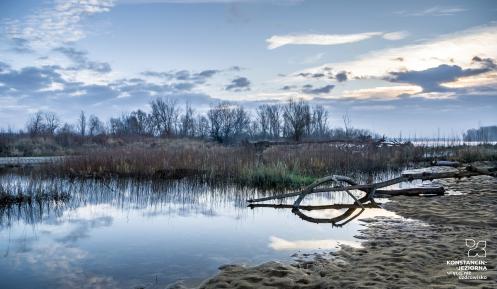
pixel 346 184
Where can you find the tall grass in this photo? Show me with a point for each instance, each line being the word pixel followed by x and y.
pixel 287 165
pixel 175 159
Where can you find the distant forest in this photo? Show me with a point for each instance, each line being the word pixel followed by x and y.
pixel 483 133
pixel 224 122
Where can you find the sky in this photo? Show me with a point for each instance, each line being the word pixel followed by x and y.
pixel 420 68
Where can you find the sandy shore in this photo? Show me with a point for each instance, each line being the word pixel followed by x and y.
pixel 396 253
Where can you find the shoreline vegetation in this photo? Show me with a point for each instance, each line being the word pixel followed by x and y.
pixel 280 146
pixel 271 168
pixel 263 165
pixel 286 166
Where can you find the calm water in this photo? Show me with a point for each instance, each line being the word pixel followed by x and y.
pixel 127 234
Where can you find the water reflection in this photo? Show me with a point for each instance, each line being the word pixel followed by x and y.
pixel 183 198
pixel 281 244
pixel 352 211
pixel 128 233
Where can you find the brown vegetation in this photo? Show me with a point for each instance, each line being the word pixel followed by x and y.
pixel 287 165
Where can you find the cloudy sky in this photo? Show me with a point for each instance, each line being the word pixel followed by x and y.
pixel 419 67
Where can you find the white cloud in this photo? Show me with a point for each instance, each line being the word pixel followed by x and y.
pixel 454 49
pixel 207 1
pixel 382 92
pixel 56 25
pixel 276 41
pixel 484 79
pixel 266 95
pixel 395 35
pixel 436 95
pixel 374 107
pixel 434 11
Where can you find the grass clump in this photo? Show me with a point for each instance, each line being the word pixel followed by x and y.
pixel 278 176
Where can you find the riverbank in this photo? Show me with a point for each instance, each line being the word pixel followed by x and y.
pixel 277 164
pixel 396 253
pixel 286 166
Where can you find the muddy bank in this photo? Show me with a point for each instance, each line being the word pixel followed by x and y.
pixel 396 253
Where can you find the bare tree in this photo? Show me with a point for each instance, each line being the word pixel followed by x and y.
pixel 347 123
pixel 202 126
pixel 274 120
pixel 165 116
pixel 66 129
pixel 319 121
pixel 43 123
pixel 134 123
pixel 188 122
pixel 217 119
pixel 82 123
pixel 35 125
pixel 116 126
pixel 65 135
pixel 297 118
pixel 52 122
pixel 241 122
pixel 227 121
pixel 95 126
pixel 268 120
pixel 143 122
pixel 262 122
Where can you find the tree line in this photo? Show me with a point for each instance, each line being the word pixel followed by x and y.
pixel 223 122
pixel 482 134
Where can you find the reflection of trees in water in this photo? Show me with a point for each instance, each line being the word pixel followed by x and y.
pixel 178 197
pixel 355 202
pixel 351 212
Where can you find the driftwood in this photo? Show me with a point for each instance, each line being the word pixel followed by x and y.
pixel 371 189
pixel 316 207
pixel 412 191
pixel 446 164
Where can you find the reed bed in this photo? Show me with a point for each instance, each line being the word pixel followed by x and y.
pixel 290 165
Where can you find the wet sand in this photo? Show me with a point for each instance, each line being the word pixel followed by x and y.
pixel 396 253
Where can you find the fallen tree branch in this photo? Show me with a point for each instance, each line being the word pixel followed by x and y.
pixel 316 207
pixel 446 164
pixel 412 191
pixel 370 189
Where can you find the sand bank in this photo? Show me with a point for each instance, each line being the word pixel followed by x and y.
pixel 396 253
